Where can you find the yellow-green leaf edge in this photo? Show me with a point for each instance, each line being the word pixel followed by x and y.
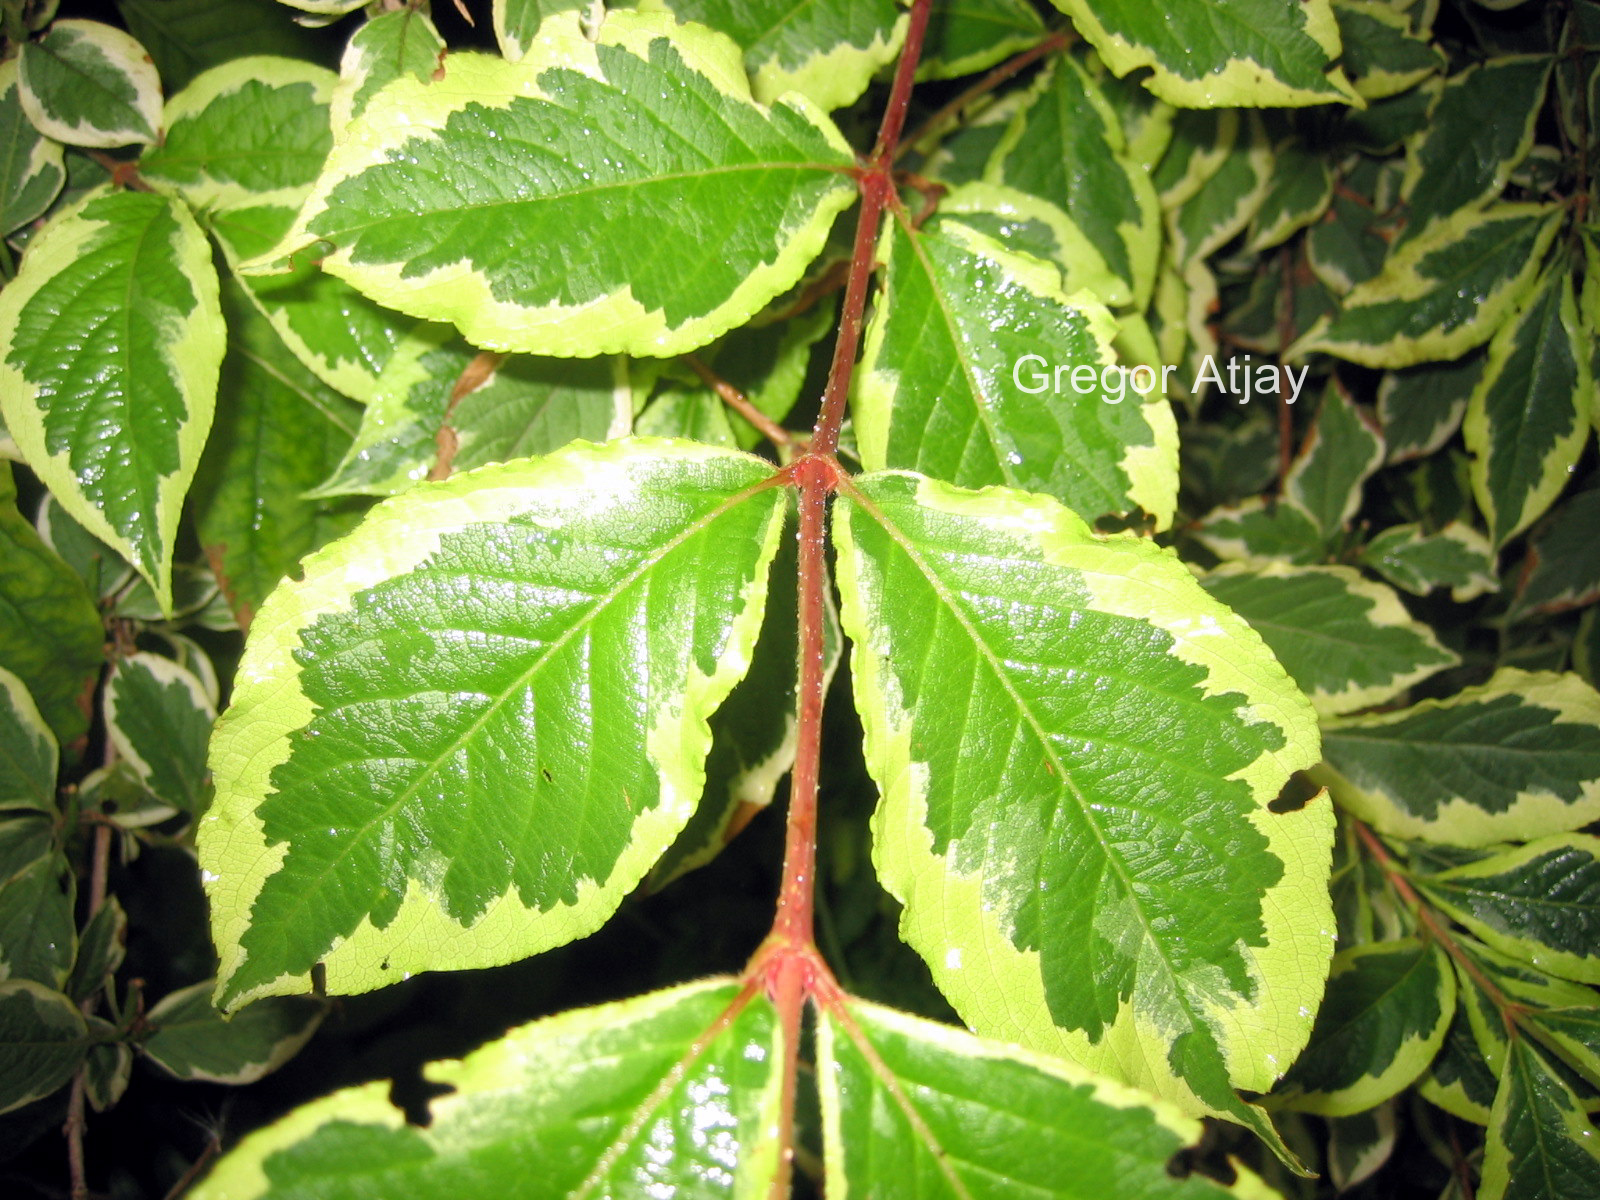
pixel 254 735
pixel 1010 1004
pixel 614 324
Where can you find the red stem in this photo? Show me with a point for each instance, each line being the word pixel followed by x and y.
pixel 876 180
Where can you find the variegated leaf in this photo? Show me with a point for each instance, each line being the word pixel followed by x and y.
pixel 1065 146
pixel 111 338
pixel 593 244
pixel 827 50
pixel 1480 128
pixel 191 1040
pixel 1380 1025
pixel 89 84
pixel 971 35
pixel 1340 452
pixel 1420 408
pixel 679 1095
pixel 1540 1141
pixel 1220 53
pixel 978 369
pixel 1381 53
pixel 1539 902
pixel 1528 418
pixel 31 166
pixel 1442 293
pixel 1457 557
pixel 392 45
pixel 1039 840
pixel 1347 641
pixel 463 654
pixel 46 1039
pixel 913 1109
pixel 159 718
pixel 1561 570
pixel 28 750
pixel 1518 757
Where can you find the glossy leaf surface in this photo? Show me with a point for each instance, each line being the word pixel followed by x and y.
pixel 111 339
pixel 590 201
pixel 915 1109
pixel 960 380
pixel 672 1093
pixel 1540 902
pixel 1541 1143
pixel 1440 294
pixel 1347 641
pixel 1457 557
pixel 828 50
pixel 1047 714
pixel 412 747
pixel 1219 53
pixel 1518 757
pixel 1383 1020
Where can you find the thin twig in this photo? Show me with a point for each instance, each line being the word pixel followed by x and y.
pixel 123 173
pixel 1012 66
pixel 736 400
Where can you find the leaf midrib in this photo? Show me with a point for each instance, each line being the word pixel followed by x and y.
pixel 362 832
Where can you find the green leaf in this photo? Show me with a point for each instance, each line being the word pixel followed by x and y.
pixel 192 1040
pixel 1340 453
pixel 1220 53
pixel 970 35
pixel 675 1092
pixel 755 732
pixel 1518 757
pixel 521 406
pixel 1299 190
pixel 1527 421
pixel 1540 1142
pixel 103 571
pixel 50 632
pixel 392 45
pixel 1387 124
pixel 32 169
pixel 38 939
pixel 911 1109
pixel 251 133
pixel 89 84
pixel 279 432
pixel 464 653
pixel 696 413
pixel 1561 570
pixel 1381 53
pixel 1457 557
pixel 1380 1025
pixel 1348 246
pixel 1347 641
pixel 1258 528
pixel 1200 141
pixel 1458 1080
pixel 101 947
pixel 45 1039
pixel 967 375
pixel 159 718
pixel 185 37
pixel 593 244
pixel 1215 214
pixel 112 337
pixel 24 839
pixel 1440 294
pixel 28 751
pixel 1012 670
pixel 108 1067
pixel 1539 902
pixel 1420 408
pixel 1481 127
pixel 1360 1144
pixel 517 21
pixel 828 50
pixel 1066 146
